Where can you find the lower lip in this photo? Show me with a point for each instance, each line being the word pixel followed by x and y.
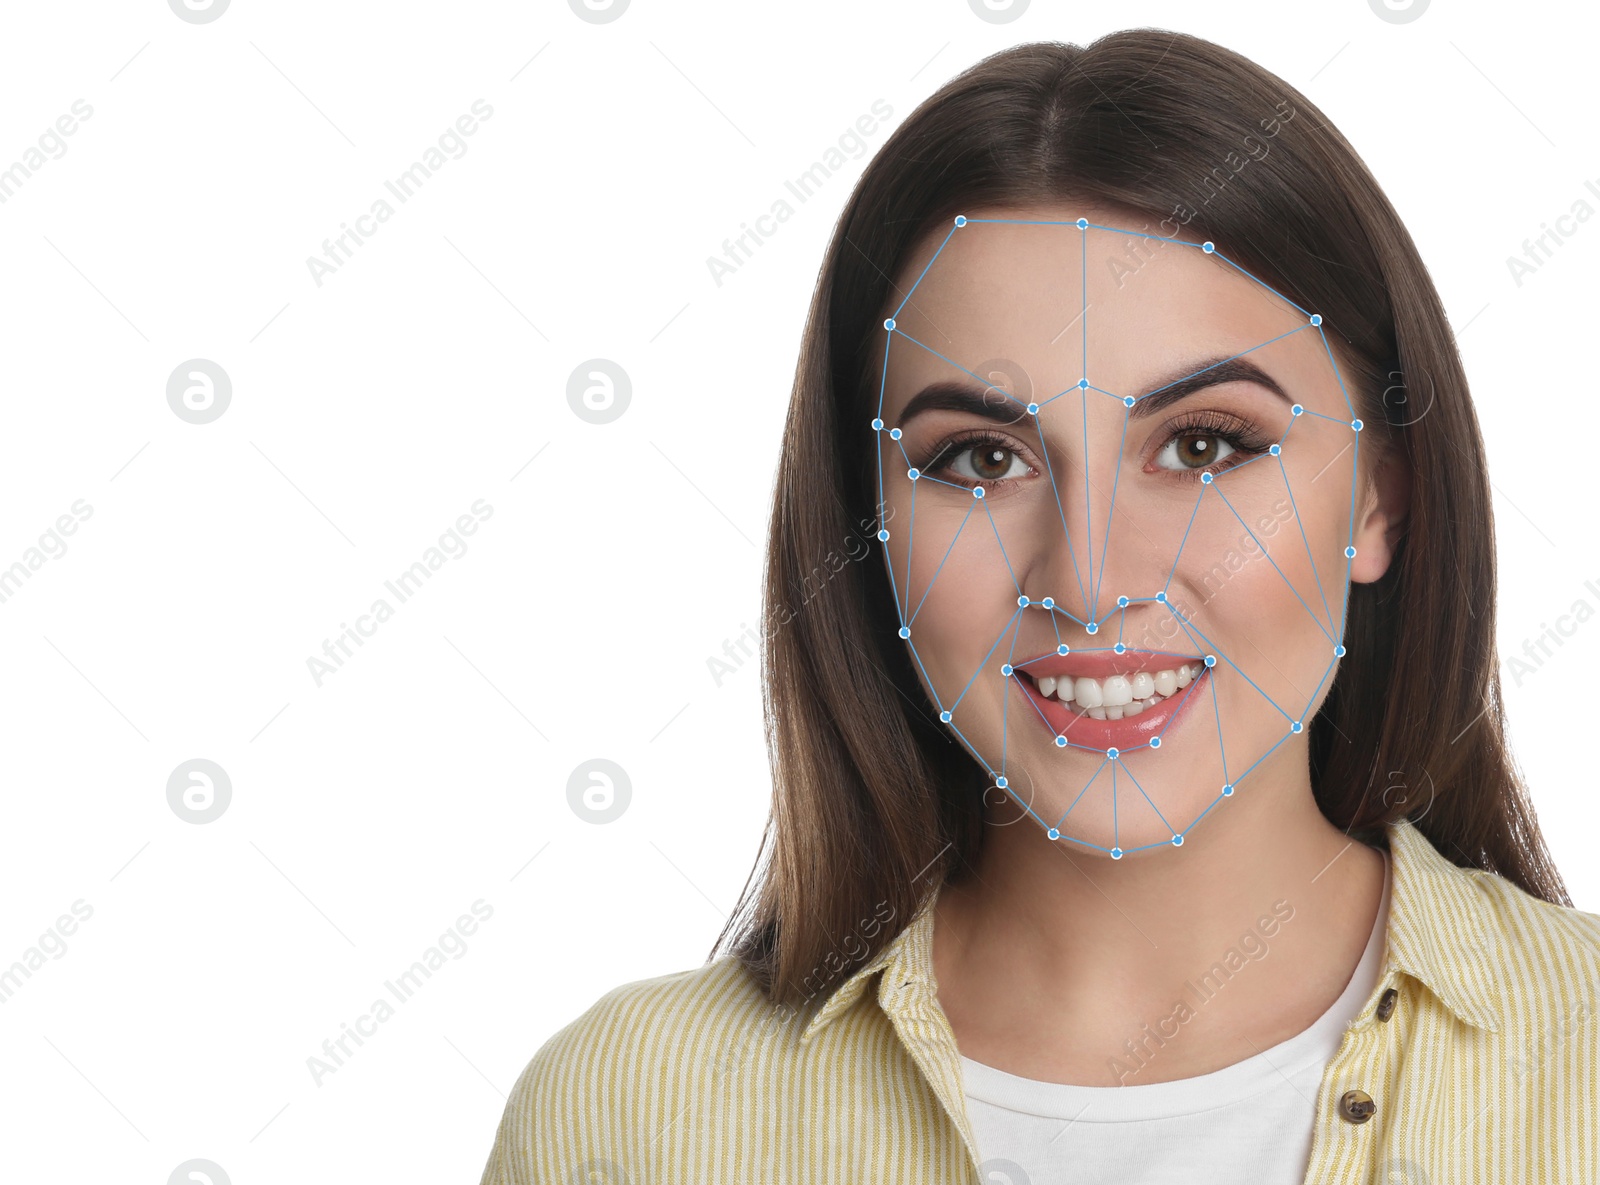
pixel 1131 732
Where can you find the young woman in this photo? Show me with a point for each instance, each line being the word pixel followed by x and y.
pixel 1145 813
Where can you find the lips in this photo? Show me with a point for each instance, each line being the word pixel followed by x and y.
pixel 1080 731
pixel 1100 664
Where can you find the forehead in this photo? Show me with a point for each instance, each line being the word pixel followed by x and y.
pixel 1063 303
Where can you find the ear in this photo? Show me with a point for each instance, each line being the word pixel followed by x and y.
pixel 1381 517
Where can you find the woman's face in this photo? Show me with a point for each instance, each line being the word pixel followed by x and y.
pixel 1232 558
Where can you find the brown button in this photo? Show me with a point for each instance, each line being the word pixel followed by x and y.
pixel 1356 1106
pixel 1386 1004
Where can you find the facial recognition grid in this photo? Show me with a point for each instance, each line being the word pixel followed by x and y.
pixel 1087 578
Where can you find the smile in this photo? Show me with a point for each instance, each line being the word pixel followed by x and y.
pixel 1118 707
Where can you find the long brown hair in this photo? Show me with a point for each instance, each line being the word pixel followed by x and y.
pixel 874 804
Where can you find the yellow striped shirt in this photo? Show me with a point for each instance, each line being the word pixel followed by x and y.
pixel 1481 1068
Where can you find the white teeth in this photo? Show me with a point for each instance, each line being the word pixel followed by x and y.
pixel 1117 697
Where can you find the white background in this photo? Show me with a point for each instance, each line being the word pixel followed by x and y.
pixel 431 371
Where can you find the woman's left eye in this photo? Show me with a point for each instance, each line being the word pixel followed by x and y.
pixel 1193 450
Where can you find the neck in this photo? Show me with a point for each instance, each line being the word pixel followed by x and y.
pixel 1089 949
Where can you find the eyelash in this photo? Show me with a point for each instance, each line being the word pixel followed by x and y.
pixel 957 445
pixel 1244 439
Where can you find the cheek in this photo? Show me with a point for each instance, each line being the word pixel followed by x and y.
pixel 955 567
pixel 1254 591
pixel 960 595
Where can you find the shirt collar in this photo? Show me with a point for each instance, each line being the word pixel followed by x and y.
pixel 1439 928
pixel 1438 933
pixel 905 962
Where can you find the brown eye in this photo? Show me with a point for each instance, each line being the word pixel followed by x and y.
pixel 1194 450
pixel 989 463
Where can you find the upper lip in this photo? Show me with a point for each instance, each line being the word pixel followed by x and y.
pixel 1101 663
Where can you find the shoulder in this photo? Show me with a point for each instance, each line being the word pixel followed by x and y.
pixel 1547 957
pixel 1514 913
pixel 658 1019
pixel 581 1094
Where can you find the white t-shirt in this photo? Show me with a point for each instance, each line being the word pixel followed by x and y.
pixel 1250 1121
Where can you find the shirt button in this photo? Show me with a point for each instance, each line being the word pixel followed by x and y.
pixel 1386 1004
pixel 1356 1106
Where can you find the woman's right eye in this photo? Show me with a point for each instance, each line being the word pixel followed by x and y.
pixel 989 462
pixel 981 462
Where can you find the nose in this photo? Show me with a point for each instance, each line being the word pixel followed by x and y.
pixel 1092 557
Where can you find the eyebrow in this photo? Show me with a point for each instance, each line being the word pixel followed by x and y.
pixel 948 395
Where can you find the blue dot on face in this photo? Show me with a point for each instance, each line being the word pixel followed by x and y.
pixel 1083 384
pixel 877 425
pixel 1111 754
pixel 1296 409
pixel 1049 602
pixel 1211 660
pixel 1033 409
pixel 1162 597
pixel 894 434
pixel 882 536
pixel 1350 553
pixel 1002 782
pixel 1062 648
pixel 977 491
pixel 1127 401
pixel 1316 318
pixel 1061 742
pixel 945 716
pixel 1298 728
pixel 905 631
pixel 1177 841
pixel 1122 602
pixel 1120 648
pixel 1356 424
pixel 888 323
pixel 1338 652
pixel 1092 628
pixel 1205 479
pixel 1276 449
pixel 1155 742
pixel 961 219
pixel 1208 248
pixel 1083 224
pixel 1023 600
pixel 1116 853
pixel 913 473
pixel 1227 791
pixel 1006 669
pixel 1053 833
